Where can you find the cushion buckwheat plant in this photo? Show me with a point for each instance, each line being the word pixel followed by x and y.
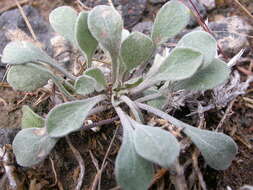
pixel 191 65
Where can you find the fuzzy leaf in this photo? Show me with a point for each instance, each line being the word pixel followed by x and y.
pixel 31 119
pixel 98 75
pixel 170 20
pixel 156 145
pixel 63 20
pixel 85 85
pixel 132 171
pixel 136 49
pixel 158 102
pixel 207 78
pixel 32 145
pixel 69 117
pixel 182 63
pixel 85 40
pixel 201 41
pixel 106 25
pixel 218 149
pixel 156 65
pixel 23 52
pixel 27 77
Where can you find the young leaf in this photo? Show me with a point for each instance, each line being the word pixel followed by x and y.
pixel 32 145
pixel 218 149
pixel 207 78
pixel 170 20
pixel 132 171
pixel 106 25
pixel 136 49
pixel 63 20
pixel 23 52
pixel 85 40
pixel 31 119
pixel 201 41
pixel 156 145
pixel 27 77
pixel 69 117
pixel 99 76
pixel 85 85
pixel 181 64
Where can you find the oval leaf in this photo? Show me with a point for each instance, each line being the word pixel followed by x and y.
pixel 156 145
pixel 132 171
pixel 27 77
pixel 23 52
pixel 182 63
pixel 218 149
pixel 201 41
pixel 207 78
pixel 170 20
pixel 31 146
pixel 136 49
pixel 85 85
pixel 85 40
pixel 99 76
pixel 69 117
pixel 63 20
pixel 106 25
pixel 31 119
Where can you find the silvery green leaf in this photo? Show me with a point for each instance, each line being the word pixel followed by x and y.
pixel 218 149
pixel 99 76
pixel 125 34
pixel 22 52
pixel 31 119
pixel 63 20
pixel 208 77
pixel 156 65
pixel 27 77
pixel 201 41
pixel 136 49
pixel 158 102
pixel 106 25
pixel 69 117
pixel 181 64
pixel 85 85
pixel 170 20
pixel 132 171
pixel 156 145
pixel 85 40
pixel 32 145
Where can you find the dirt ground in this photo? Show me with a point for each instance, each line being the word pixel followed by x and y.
pixel 60 170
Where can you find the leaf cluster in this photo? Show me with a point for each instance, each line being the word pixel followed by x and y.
pixel 191 65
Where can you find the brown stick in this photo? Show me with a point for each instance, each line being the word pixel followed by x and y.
pixel 80 162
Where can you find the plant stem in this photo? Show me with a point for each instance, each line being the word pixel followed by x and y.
pixel 98 109
pixel 171 119
pixel 133 107
pixel 100 123
pixel 56 66
pixel 143 86
pixel 178 179
pixel 149 97
pixel 114 69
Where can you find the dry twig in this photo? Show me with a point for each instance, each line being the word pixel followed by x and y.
pixel 80 162
pixel 26 20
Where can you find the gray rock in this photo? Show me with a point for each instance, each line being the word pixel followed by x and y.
pixel 7 135
pixel 231 34
pixel 201 9
pixel 144 27
pixel 157 1
pixel 13 21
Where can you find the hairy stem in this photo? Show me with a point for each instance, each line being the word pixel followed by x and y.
pixel 155 111
pixel 133 107
pixel 177 177
pixel 149 97
pixel 143 86
pixel 56 66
